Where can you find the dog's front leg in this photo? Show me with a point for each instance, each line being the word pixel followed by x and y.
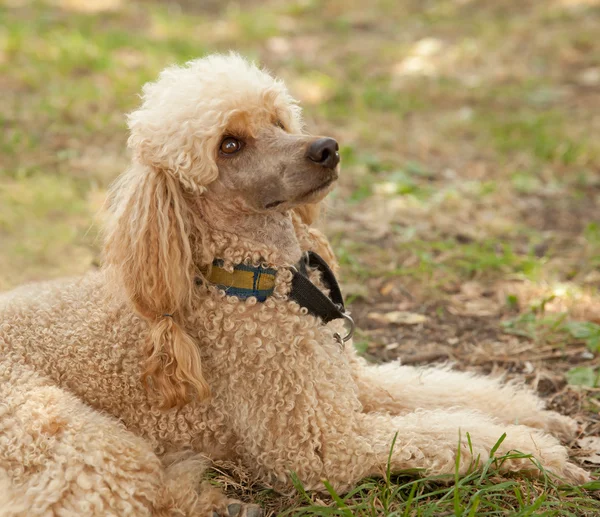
pixel 397 389
pixel 305 417
pixel 430 440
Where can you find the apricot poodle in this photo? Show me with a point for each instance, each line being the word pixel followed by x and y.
pixel 193 344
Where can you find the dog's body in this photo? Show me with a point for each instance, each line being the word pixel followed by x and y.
pixel 82 434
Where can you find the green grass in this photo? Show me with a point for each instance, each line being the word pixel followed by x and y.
pixel 559 331
pixel 482 492
pixel 467 260
pixel 539 133
pixel 440 264
pixel 537 324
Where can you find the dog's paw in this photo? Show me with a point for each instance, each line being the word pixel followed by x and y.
pixel 574 475
pixel 555 459
pixel 563 427
pixel 239 509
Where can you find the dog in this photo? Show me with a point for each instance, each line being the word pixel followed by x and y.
pixel 202 338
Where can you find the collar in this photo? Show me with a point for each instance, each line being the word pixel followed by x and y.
pixel 246 281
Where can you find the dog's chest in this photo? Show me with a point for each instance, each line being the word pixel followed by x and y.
pixel 250 333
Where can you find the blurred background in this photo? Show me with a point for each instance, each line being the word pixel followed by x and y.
pixel 467 218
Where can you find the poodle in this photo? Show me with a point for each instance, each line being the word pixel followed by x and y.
pixel 190 344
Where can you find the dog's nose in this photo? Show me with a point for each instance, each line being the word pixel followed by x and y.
pixel 324 151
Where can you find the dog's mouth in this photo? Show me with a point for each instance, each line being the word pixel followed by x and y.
pixel 308 194
pixel 321 187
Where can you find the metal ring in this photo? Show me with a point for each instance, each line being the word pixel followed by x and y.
pixel 352 327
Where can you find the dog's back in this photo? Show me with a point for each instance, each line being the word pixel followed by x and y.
pixel 69 332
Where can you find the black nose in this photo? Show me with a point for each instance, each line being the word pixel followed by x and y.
pixel 324 151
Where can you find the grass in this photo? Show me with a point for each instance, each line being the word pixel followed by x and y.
pixel 555 329
pixel 473 495
pixel 558 330
pixel 481 492
pixel 469 182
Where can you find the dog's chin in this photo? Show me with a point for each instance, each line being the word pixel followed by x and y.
pixel 319 192
pixel 314 195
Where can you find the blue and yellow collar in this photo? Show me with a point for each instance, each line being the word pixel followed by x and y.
pixel 244 281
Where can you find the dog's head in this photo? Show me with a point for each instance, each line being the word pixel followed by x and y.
pixel 220 123
pixel 218 128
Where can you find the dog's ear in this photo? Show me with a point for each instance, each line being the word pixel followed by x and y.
pixel 164 132
pixel 148 255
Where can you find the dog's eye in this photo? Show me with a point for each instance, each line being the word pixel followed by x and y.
pixel 231 145
pixel 279 124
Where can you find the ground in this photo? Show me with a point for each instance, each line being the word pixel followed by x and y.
pixel 467 218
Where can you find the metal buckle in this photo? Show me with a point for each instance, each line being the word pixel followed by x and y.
pixel 350 333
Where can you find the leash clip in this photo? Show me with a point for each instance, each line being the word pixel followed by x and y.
pixel 351 327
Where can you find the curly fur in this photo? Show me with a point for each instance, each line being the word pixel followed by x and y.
pixel 112 384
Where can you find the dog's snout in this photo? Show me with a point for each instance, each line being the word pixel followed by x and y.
pixel 324 151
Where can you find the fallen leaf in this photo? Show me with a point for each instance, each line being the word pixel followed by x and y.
pixel 591 444
pixel 397 318
pixel 386 288
pixel 589 77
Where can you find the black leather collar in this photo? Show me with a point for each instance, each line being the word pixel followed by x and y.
pixel 306 294
pixel 257 281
